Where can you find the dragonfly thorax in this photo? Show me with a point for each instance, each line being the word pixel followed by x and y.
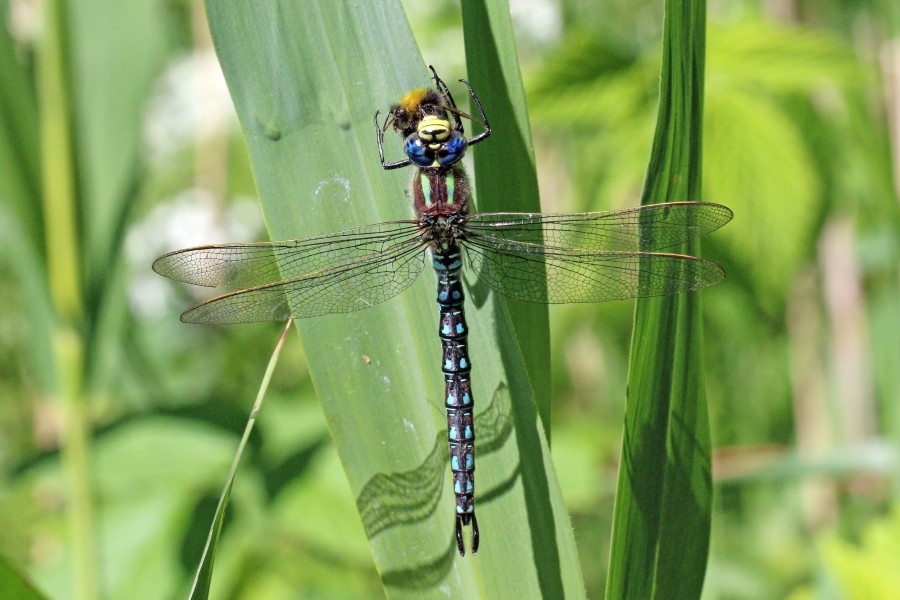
pixel 442 231
pixel 439 192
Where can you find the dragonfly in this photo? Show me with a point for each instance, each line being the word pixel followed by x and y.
pixel 534 257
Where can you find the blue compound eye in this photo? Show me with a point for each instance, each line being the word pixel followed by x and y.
pixel 417 151
pixel 453 149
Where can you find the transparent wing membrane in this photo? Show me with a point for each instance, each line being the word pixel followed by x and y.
pixel 553 258
pixel 642 229
pixel 345 288
pixel 238 266
pixel 539 274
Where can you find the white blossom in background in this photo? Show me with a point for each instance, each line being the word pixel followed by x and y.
pixel 190 105
pixel 191 100
pixel 540 20
pixel 24 20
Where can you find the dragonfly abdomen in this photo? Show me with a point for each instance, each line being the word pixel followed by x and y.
pixel 456 367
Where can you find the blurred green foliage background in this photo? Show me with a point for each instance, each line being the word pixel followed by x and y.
pixel 801 139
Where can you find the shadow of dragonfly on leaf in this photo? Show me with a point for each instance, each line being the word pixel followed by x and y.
pixel 407 497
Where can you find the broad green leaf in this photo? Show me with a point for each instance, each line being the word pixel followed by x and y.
pixel 663 501
pixel 772 178
pixel 768 56
pixel 21 219
pixel 306 81
pixel 115 51
pixel 148 473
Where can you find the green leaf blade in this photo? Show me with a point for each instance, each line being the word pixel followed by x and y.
pixel 505 176
pixel 306 82
pixel 663 502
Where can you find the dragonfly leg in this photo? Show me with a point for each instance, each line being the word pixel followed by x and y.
pixel 379 138
pixel 484 120
pixel 445 92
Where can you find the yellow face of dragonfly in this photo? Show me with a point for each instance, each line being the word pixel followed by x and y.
pixel 433 131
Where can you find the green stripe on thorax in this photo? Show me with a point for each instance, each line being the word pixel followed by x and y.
pixel 451 184
pixel 426 188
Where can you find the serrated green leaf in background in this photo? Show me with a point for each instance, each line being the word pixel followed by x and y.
pixel 14 585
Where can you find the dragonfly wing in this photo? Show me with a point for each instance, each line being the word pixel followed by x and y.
pixel 238 266
pixel 641 229
pixel 344 288
pixel 534 273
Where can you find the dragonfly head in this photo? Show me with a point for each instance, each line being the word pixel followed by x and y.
pixel 435 143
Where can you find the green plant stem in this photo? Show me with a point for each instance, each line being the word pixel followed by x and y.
pixel 60 212
pixel 63 270
pixel 68 349
pixel 203 576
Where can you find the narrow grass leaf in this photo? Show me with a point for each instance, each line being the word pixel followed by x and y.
pixel 19 152
pixel 203 577
pixel 662 513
